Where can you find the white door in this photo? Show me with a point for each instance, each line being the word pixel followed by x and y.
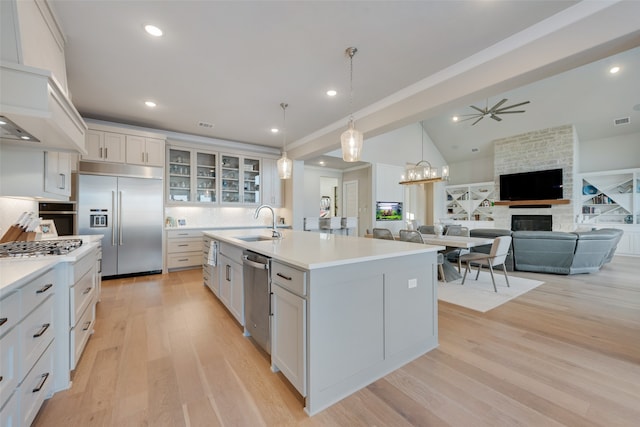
pixel 350 201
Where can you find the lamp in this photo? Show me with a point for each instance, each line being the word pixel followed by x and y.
pixel 284 163
pixel 423 172
pixel 351 139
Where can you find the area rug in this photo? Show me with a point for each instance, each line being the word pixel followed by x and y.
pixel 478 294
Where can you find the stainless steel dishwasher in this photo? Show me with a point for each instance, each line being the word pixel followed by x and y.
pixel 257 298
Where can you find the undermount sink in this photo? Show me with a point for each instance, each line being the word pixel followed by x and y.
pixel 253 238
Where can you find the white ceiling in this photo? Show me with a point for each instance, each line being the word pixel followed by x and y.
pixel 231 63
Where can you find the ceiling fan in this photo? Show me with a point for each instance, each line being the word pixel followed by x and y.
pixel 492 112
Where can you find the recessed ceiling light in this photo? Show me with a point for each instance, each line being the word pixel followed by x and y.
pixel 332 92
pixel 150 104
pixel 321 163
pixel 2 123
pixel 455 118
pixel 25 137
pixel 614 70
pixel 275 130
pixel 153 30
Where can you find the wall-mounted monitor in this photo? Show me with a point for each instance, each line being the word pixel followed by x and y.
pixel 388 211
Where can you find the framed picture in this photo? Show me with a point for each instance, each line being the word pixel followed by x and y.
pixel 182 222
pixel 48 228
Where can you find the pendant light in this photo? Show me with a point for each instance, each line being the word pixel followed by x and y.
pixel 285 164
pixel 351 139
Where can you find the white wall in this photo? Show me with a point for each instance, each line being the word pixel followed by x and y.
pixel 312 189
pixel 11 209
pixel 387 189
pixel 621 152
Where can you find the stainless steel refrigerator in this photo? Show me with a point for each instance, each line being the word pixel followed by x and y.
pixel 128 212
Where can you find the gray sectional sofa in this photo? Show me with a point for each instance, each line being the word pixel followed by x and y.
pixel 557 252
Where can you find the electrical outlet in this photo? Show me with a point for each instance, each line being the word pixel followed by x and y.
pixel 413 283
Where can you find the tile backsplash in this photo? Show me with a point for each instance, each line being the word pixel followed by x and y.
pixel 196 216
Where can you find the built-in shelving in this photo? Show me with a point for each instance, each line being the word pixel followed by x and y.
pixel 532 202
pixel 611 197
pixel 471 202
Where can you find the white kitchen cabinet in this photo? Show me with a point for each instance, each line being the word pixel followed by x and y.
pixel 105 146
pixel 289 324
pixel 33 172
pixel 184 249
pixel 271 184
pixel 210 273
pixel 144 151
pixel 26 348
pixel 231 283
pixel 57 167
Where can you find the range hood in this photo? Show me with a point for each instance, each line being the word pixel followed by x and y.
pixel 35 104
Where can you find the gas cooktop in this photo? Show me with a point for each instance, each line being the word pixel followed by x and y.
pixel 38 248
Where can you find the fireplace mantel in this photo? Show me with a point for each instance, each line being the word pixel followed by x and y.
pixel 532 202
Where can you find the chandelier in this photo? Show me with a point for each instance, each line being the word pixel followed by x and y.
pixel 423 172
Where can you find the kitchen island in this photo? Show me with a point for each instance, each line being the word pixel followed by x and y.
pixel 345 310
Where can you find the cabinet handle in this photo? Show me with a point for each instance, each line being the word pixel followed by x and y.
pixel 183 259
pixel 86 325
pixel 3 321
pixel 228 274
pixel 62 181
pixel 142 155
pixel 100 152
pixel 1 378
pixel 42 330
pixel 43 379
pixel 106 153
pixel 183 245
pixel 283 276
pixel 146 157
pixel 86 291
pixel 44 289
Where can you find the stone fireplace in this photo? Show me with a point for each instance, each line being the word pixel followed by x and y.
pixel 533 151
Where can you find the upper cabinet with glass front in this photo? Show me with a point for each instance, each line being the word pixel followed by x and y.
pixel 191 176
pixel 239 179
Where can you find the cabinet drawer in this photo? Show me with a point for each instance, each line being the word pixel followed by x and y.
pixel 10 411
pixel 36 387
pixel 82 266
pixel 36 333
pixel 184 245
pixel 289 278
pixel 9 312
pixel 37 291
pixel 188 259
pixel 234 253
pixel 179 234
pixel 81 296
pixel 80 334
pixel 8 364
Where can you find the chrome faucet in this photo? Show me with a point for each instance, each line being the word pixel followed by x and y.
pixel 274 233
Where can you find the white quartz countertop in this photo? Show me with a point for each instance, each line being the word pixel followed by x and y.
pixel 15 271
pixel 311 250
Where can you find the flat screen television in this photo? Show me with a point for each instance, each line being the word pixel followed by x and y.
pixel 538 185
pixel 388 211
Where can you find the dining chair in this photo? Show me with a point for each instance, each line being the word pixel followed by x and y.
pixel 496 257
pixel 382 233
pixel 427 229
pixel 453 255
pixel 411 236
pixel 415 237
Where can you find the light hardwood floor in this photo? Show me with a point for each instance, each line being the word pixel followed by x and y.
pixel 166 353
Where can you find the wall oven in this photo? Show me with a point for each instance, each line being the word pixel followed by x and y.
pixel 63 214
